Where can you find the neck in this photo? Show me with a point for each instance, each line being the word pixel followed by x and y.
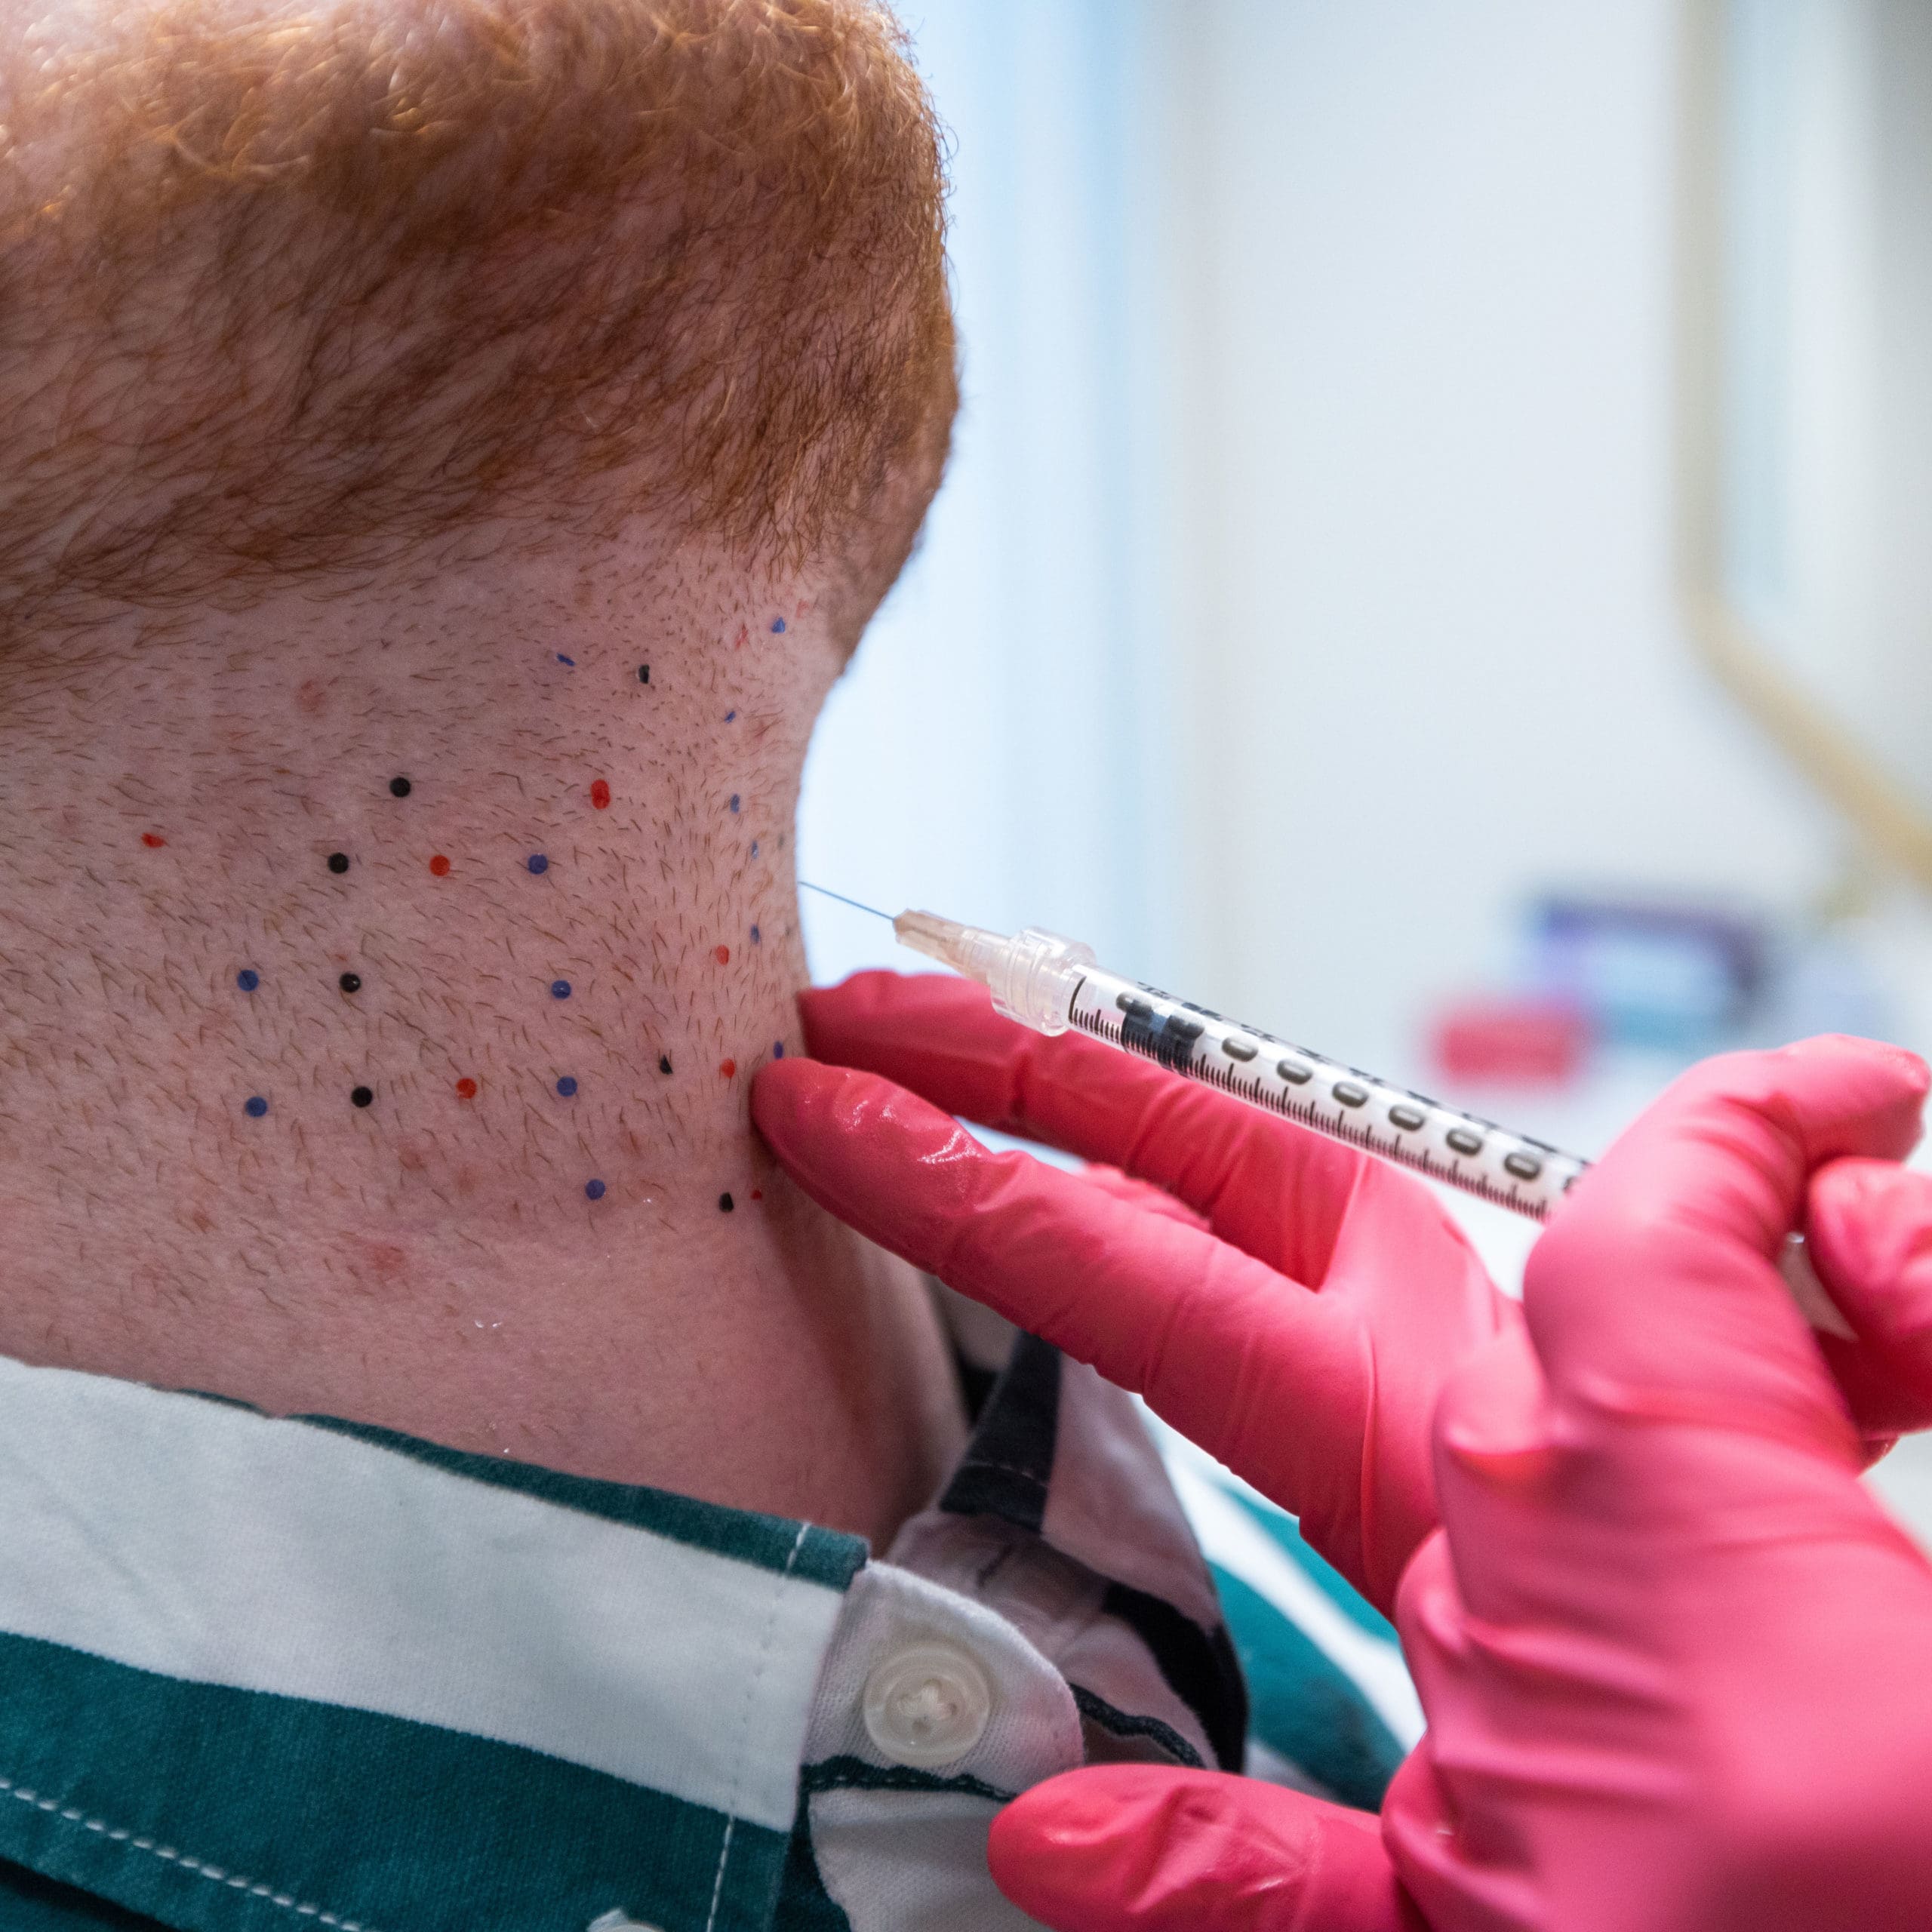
pixel 339 1139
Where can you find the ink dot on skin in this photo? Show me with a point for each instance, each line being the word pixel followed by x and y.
pixel 754 848
pixel 398 788
pixel 560 989
pixel 734 802
pixel 730 717
pixel 248 979
pixel 152 841
pixel 778 1050
pixel 439 866
pixel 350 983
pixel 538 863
pixel 643 674
pixel 465 1090
pixel 757 938
pixel 663 1062
pixel 338 862
pixel 727 1067
pixel 360 1096
pixel 255 1106
pixel 758 1194
pixel 725 1204
pixel 777 626
pixel 600 793
pixel 570 661
pixel 566 1086
pixel 594 1188
pixel 722 954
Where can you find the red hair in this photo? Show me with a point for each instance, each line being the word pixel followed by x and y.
pixel 295 288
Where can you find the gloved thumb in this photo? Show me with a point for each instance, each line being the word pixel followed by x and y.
pixel 1136 1848
pixel 1869 1224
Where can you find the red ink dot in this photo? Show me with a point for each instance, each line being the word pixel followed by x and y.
pixel 440 866
pixel 744 632
pixel 758 1194
pixel 465 1090
pixel 600 793
pixel 153 840
pixel 728 1068
pixel 722 955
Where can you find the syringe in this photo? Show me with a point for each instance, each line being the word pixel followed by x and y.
pixel 1052 984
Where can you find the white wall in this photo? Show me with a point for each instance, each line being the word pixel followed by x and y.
pixel 984 758
pixel 1430 537
pixel 1311 513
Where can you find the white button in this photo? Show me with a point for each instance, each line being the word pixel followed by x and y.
pixel 928 1704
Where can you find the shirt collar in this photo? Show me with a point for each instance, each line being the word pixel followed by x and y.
pixel 604 1697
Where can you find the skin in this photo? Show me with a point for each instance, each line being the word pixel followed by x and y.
pixel 431 1263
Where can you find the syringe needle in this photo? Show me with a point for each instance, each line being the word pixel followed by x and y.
pixel 825 892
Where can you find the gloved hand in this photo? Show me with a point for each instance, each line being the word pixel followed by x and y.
pixel 1299 1329
pixel 1676 1660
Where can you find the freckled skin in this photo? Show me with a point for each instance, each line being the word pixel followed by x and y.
pixel 336 1258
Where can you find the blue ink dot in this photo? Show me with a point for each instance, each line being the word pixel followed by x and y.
pixel 778 626
pixel 757 938
pixel 537 863
pixel 560 989
pixel 754 848
pixel 570 661
pixel 255 1106
pixel 730 717
pixel 248 979
pixel 566 1086
pixel 778 1050
pixel 594 1188
pixel 734 802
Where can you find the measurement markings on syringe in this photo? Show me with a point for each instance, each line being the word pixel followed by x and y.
pixel 1307 1111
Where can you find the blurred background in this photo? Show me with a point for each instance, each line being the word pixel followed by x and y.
pixel 1435 559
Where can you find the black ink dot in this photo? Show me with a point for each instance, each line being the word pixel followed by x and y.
pixel 643 674
pixel 725 1204
pixel 361 1097
pixel 398 788
pixel 663 1062
pixel 338 862
pixel 350 983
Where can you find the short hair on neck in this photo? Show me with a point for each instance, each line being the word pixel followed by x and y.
pixel 290 289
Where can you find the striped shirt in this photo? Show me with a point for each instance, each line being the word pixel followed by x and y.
pixel 259 1673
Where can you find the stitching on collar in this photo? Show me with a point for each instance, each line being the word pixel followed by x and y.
pixel 751 1689
pixel 217 1874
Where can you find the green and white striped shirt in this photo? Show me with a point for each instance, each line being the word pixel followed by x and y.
pixel 259 1673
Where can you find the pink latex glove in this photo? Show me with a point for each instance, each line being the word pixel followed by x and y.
pixel 1677 1660
pixel 1300 1327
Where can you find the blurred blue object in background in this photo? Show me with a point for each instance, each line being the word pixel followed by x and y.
pixel 1666 973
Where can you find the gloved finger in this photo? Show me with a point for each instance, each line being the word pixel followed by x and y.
pixel 1276 1191
pixel 1655 1280
pixel 1424 1837
pixel 1869 1226
pixel 1220 1345
pixel 1497 1468
pixel 1141 1194
pixel 1439 1843
pixel 1136 1848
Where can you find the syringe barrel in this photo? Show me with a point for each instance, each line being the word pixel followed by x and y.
pixel 1342 1102
pixel 1050 984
